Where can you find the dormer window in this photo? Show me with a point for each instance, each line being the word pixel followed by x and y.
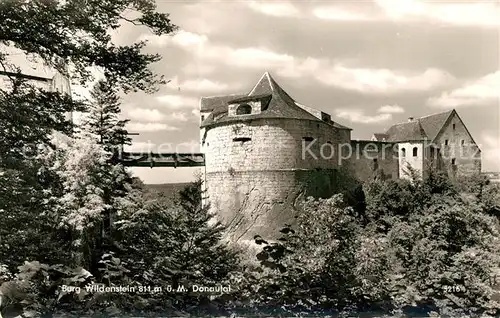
pixel 244 109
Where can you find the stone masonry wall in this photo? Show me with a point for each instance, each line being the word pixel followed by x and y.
pixel 270 144
pixel 467 156
pixel 257 171
pixel 262 202
pixel 371 157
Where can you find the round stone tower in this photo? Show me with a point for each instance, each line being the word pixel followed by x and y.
pixel 263 152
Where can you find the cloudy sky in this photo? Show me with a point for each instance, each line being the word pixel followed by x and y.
pixel 368 63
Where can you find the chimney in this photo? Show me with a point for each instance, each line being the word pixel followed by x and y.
pixel 410 119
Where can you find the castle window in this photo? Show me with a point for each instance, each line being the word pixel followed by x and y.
pixel 244 109
pixel 446 142
pixel 462 142
pixel 403 152
pixel 242 139
pixel 202 117
pixel 453 161
pixel 307 138
pixel 415 151
pixel 453 126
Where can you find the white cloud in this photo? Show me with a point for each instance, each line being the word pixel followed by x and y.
pixel 334 13
pixel 149 127
pixel 391 109
pixel 199 69
pixel 366 80
pixel 250 57
pixel 178 116
pixel 198 85
pixel 482 91
pixel 357 116
pixel 276 8
pixel 490 151
pixel 178 101
pixel 145 114
pixel 325 71
pixel 480 13
pixel 382 80
pixel 258 56
pixel 181 38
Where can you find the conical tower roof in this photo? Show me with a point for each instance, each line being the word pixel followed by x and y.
pixel 277 103
pixel 281 104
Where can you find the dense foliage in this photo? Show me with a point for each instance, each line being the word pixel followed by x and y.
pixel 424 247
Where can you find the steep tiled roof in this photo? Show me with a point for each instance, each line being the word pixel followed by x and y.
pixel 380 137
pixel 432 124
pixel 247 98
pixel 208 104
pixel 406 131
pixel 426 127
pixel 281 104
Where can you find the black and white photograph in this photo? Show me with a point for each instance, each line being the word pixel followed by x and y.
pixel 249 158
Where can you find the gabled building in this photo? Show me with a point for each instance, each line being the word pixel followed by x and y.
pixel 440 141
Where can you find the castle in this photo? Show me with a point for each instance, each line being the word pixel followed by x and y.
pixel 264 151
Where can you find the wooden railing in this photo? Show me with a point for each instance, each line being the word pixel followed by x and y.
pixel 175 160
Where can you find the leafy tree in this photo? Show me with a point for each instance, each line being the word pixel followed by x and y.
pixel 68 35
pixel 27 187
pixel 432 232
pixel 75 33
pixel 84 172
pixel 175 246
